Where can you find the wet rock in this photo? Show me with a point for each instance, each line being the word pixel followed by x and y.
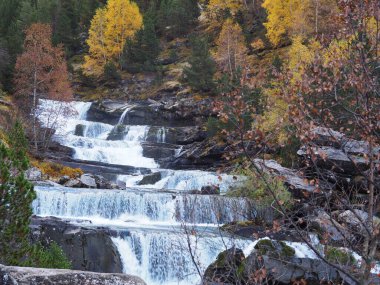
pixel 121 185
pixel 151 179
pixel 286 271
pixel 158 151
pixel 101 182
pixel 73 183
pixel 88 181
pixel 176 135
pixel 210 190
pixel 224 269
pixel 89 249
pixel 33 174
pixel 79 130
pixel 117 133
pixel 10 275
pixel 64 179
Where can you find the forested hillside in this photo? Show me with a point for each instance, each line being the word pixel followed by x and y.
pixel 266 108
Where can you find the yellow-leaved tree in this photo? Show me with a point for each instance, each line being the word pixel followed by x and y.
pixel 110 28
pixel 98 56
pixel 291 18
pixel 231 47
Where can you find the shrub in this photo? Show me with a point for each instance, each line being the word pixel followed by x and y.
pixel 55 170
pixel 255 188
pixel 49 257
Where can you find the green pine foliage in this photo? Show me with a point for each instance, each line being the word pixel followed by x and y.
pixel 175 17
pixel 47 257
pixel 16 194
pixel 141 52
pixel 202 67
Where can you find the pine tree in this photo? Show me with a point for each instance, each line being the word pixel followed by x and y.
pixel 202 67
pixel 142 51
pixel 16 195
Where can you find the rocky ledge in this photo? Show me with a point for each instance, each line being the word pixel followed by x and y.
pixel 39 276
pixel 89 249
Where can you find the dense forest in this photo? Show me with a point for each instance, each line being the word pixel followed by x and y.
pixel 278 99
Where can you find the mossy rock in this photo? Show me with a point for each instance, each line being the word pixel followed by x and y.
pixel 117 133
pixel 274 249
pixel 339 256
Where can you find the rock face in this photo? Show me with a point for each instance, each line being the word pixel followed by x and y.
pixel 274 263
pixel 173 112
pixel 87 249
pixel 39 276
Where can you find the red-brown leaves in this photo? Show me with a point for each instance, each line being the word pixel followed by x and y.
pixel 41 69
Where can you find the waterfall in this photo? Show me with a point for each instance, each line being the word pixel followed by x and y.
pixel 187 180
pixel 150 207
pixel 93 146
pixel 161 135
pixel 146 221
pixel 163 257
pixel 122 117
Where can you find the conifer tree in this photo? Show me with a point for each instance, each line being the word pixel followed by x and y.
pixel 145 48
pixel 16 195
pixel 202 67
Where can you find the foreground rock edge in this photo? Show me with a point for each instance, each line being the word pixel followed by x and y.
pixel 10 275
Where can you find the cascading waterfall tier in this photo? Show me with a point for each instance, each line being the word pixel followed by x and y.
pixel 136 206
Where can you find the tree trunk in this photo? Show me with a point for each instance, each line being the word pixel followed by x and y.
pixel 35 109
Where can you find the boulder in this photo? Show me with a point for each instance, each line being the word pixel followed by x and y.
pixel 73 183
pixel 88 249
pixel 334 159
pixel 356 219
pixel 33 174
pixel 224 269
pixel 210 190
pixel 88 181
pixel 101 182
pixel 64 179
pixel 286 271
pixel 117 133
pixel 10 275
pixel 150 179
pixel 79 130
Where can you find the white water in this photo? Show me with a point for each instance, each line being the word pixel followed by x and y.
pixel 93 145
pixel 151 241
pixel 136 205
pixel 143 256
pixel 185 180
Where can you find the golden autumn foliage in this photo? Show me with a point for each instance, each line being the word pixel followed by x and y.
pixel 110 28
pixel 215 7
pixel 290 18
pixel 231 49
pixel 55 170
pixel 98 56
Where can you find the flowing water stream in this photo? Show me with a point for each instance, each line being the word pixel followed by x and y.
pixel 156 224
